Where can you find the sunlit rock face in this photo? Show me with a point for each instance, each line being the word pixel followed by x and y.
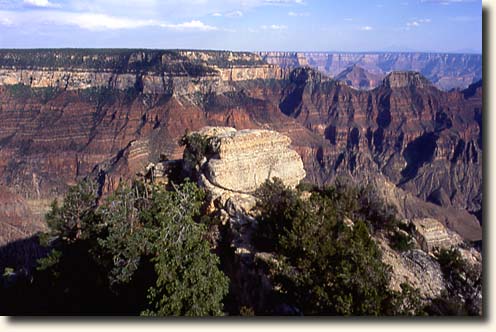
pixel 245 159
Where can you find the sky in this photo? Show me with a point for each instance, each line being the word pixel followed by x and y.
pixel 245 25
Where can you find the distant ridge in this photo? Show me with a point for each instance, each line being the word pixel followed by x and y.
pixel 445 70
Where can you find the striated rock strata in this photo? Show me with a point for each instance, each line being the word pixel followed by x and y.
pixel 245 159
pixel 431 234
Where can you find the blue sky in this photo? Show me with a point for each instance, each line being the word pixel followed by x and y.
pixel 252 25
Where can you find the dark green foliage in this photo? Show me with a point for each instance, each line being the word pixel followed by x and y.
pixel 306 186
pixel 400 241
pixel 325 267
pixel 407 302
pixel 378 213
pixel 188 279
pixel 463 294
pixel 125 239
pixel 130 94
pixel 99 96
pixel 76 219
pixel 198 146
pixel 143 251
pixel 279 207
pixel 22 92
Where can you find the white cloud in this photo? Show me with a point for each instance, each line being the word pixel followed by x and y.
pixel 348 19
pixel 192 25
pixel 5 21
pixel 366 28
pixel 95 22
pixel 298 14
pixel 418 22
pixel 234 13
pixel 41 3
pixel 274 27
pixel 92 21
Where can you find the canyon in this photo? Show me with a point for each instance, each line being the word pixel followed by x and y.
pixel 68 114
pixel 446 71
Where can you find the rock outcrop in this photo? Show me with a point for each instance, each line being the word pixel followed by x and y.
pixel 245 159
pixel 237 164
pixel 414 267
pixel 406 132
pixel 405 79
pixel 152 72
pixel 431 234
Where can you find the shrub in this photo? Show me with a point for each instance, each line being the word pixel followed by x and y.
pixel 401 241
pixel 324 267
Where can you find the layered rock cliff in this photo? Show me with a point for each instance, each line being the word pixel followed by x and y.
pixel 423 140
pixel 422 147
pixel 151 72
pixel 446 71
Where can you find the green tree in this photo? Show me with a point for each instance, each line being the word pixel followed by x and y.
pixel 144 250
pixel 76 219
pixel 122 247
pixel 188 279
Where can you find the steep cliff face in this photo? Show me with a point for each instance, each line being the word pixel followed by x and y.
pixel 420 138
pixel 446 71
pixel 415 141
